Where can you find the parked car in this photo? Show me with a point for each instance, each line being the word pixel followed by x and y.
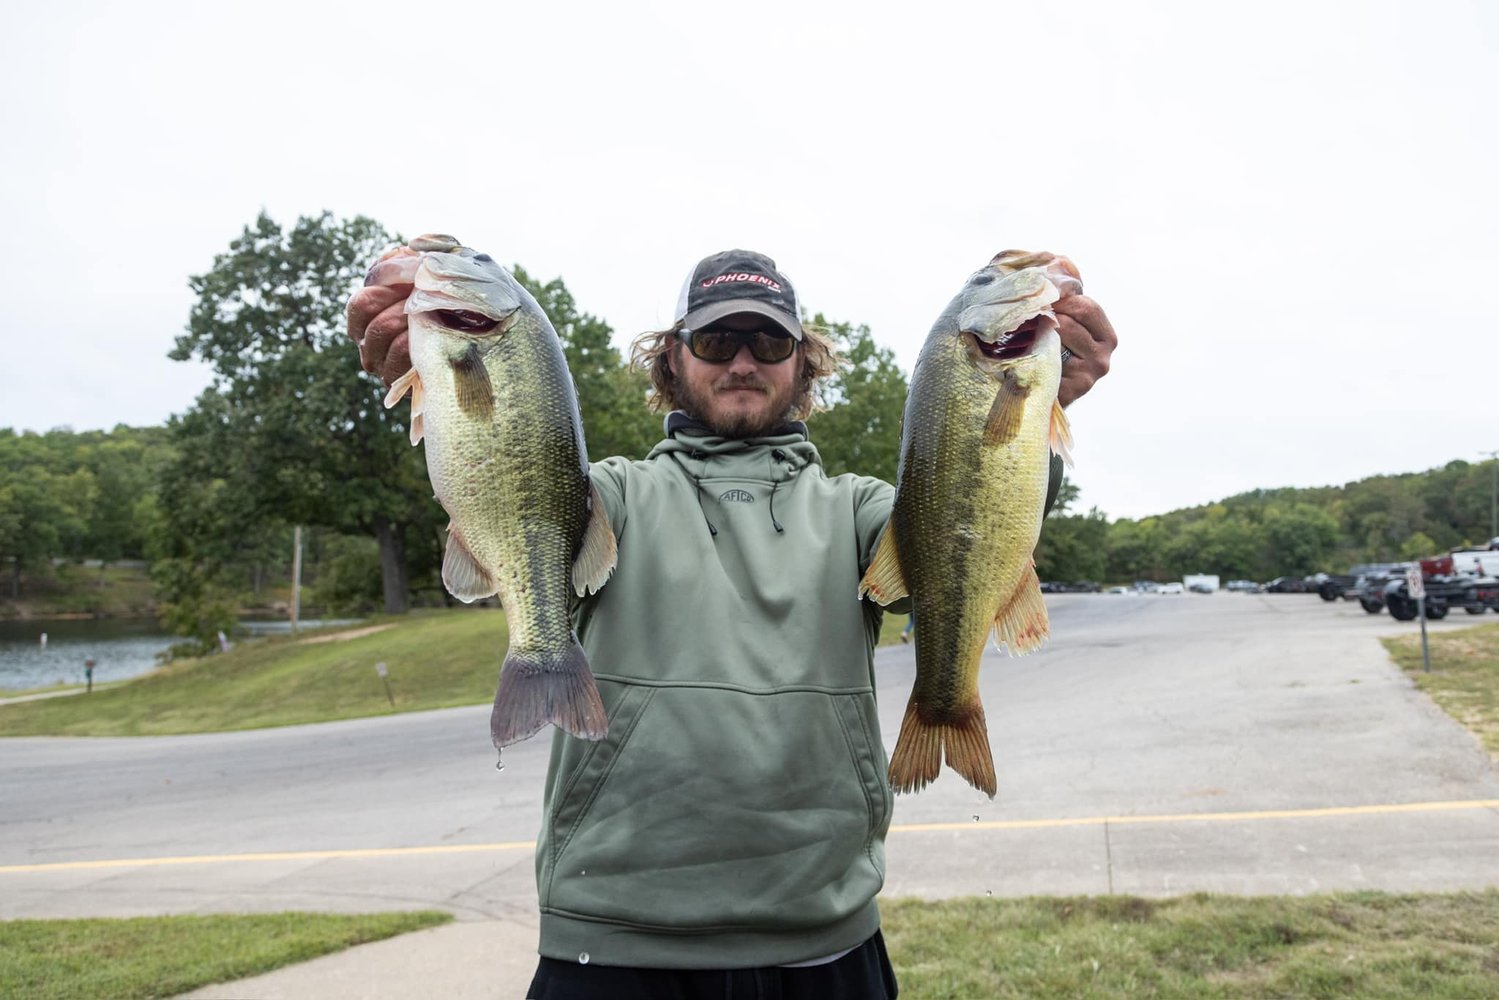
pixel 1244 586
pixel 1170 588
pixel 1202 588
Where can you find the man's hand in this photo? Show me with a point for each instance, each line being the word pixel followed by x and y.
pixel 377 315
pixel 1088 334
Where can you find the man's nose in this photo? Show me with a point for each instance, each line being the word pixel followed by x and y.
pixel 743 362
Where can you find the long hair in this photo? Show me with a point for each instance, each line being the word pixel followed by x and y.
pixel 651 353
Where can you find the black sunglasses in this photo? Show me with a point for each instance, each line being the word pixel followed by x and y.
pixel 717 346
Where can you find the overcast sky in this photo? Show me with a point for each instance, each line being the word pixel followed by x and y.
pixel 1287 210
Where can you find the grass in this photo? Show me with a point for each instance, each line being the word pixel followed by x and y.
pixel 1464 677
pixel 435 660
pixel 165 956
pixel 1430 946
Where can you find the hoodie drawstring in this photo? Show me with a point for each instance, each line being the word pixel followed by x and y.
pixel 711 530
pixel 776 524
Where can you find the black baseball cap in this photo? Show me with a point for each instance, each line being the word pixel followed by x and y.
pixel 738 281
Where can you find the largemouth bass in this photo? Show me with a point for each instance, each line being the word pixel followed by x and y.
pixel 981 421
pixel 492 398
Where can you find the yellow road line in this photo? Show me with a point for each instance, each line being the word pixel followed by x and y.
pixel 1015 824
pixel 1218 817
pixel 208 859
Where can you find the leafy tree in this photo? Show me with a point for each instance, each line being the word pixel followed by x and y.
pixel 1073 547
pixel 611 396
pixel 291 426
pixel 860 431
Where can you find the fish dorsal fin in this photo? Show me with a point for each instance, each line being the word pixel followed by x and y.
pixel 884 581
pixel 413 382
pixel 1022 625
pixel 1061 433
pixel 1007 412
pixel 597 553
pixel 462 574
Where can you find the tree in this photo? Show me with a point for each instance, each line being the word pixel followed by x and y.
pixel 860 430
pixel 611 396
pixel 291 425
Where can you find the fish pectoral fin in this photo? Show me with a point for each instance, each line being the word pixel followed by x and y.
pixel 1007 412
pixel 471 382
pixel 1061 433
pixel 1022 625
pixel 884 580
pixel 597 553
pixel 413 382
pixel 462 574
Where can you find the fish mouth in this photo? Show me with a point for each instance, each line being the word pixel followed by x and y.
pixel 464 320
pixel 1016 343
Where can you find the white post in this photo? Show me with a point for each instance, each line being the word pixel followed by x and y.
pixel 296 577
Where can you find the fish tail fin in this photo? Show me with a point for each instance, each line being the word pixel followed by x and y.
pixel 537 689
pixel 1022 625
pixel 923 742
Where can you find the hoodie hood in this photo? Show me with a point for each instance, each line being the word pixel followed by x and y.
pixel 773 458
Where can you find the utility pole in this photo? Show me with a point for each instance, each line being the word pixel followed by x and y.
pixel 1493 495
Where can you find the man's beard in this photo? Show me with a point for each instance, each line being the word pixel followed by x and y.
pixel 699 406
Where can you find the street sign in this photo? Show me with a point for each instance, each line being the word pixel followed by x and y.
pixel 1415 582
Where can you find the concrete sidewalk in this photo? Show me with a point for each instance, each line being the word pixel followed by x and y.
pixel 465 960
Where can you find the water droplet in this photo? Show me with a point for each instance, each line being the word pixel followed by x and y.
pixel 499 760
pixel 988 892
pixel 583 871
pixel 583 958
pixel 975 819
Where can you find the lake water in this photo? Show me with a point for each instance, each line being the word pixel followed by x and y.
pixel 120 648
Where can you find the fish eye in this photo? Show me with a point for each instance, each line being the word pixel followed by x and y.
pixel 982 278
pixel 483 258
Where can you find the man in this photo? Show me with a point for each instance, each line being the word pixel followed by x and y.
pixel 727 836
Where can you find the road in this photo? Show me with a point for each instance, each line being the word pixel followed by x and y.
pixel 1157 745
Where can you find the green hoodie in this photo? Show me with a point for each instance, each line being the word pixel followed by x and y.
pixel 735 815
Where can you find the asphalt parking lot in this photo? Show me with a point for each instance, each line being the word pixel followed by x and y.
pixel 1159 744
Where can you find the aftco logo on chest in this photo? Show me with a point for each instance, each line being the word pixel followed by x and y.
pixel 736 496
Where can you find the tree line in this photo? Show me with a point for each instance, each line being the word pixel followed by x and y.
pixel 291 432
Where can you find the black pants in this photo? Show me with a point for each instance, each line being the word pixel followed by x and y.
pixel 862 974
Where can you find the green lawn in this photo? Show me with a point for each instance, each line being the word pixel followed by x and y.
pixel 435 660
pixel 1346 945
pixel 1464 677
pixel 165 956
pixel 1425 947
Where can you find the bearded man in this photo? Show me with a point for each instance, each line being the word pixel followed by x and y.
pixel 726 838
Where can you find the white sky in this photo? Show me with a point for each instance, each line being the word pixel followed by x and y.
pixel 1288 210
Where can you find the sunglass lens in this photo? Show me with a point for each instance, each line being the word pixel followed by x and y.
pixel 716 346
pixel 769 348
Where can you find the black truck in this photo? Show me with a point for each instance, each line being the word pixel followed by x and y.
pixel 1444 581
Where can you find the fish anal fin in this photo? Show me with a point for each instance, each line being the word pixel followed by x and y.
pixel 1022 625
pixel 597 553
pixel 462 574
pixel 924 741
pixel 884 580
pixel 537 688
pixel 1006 414
pixel 1061 433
